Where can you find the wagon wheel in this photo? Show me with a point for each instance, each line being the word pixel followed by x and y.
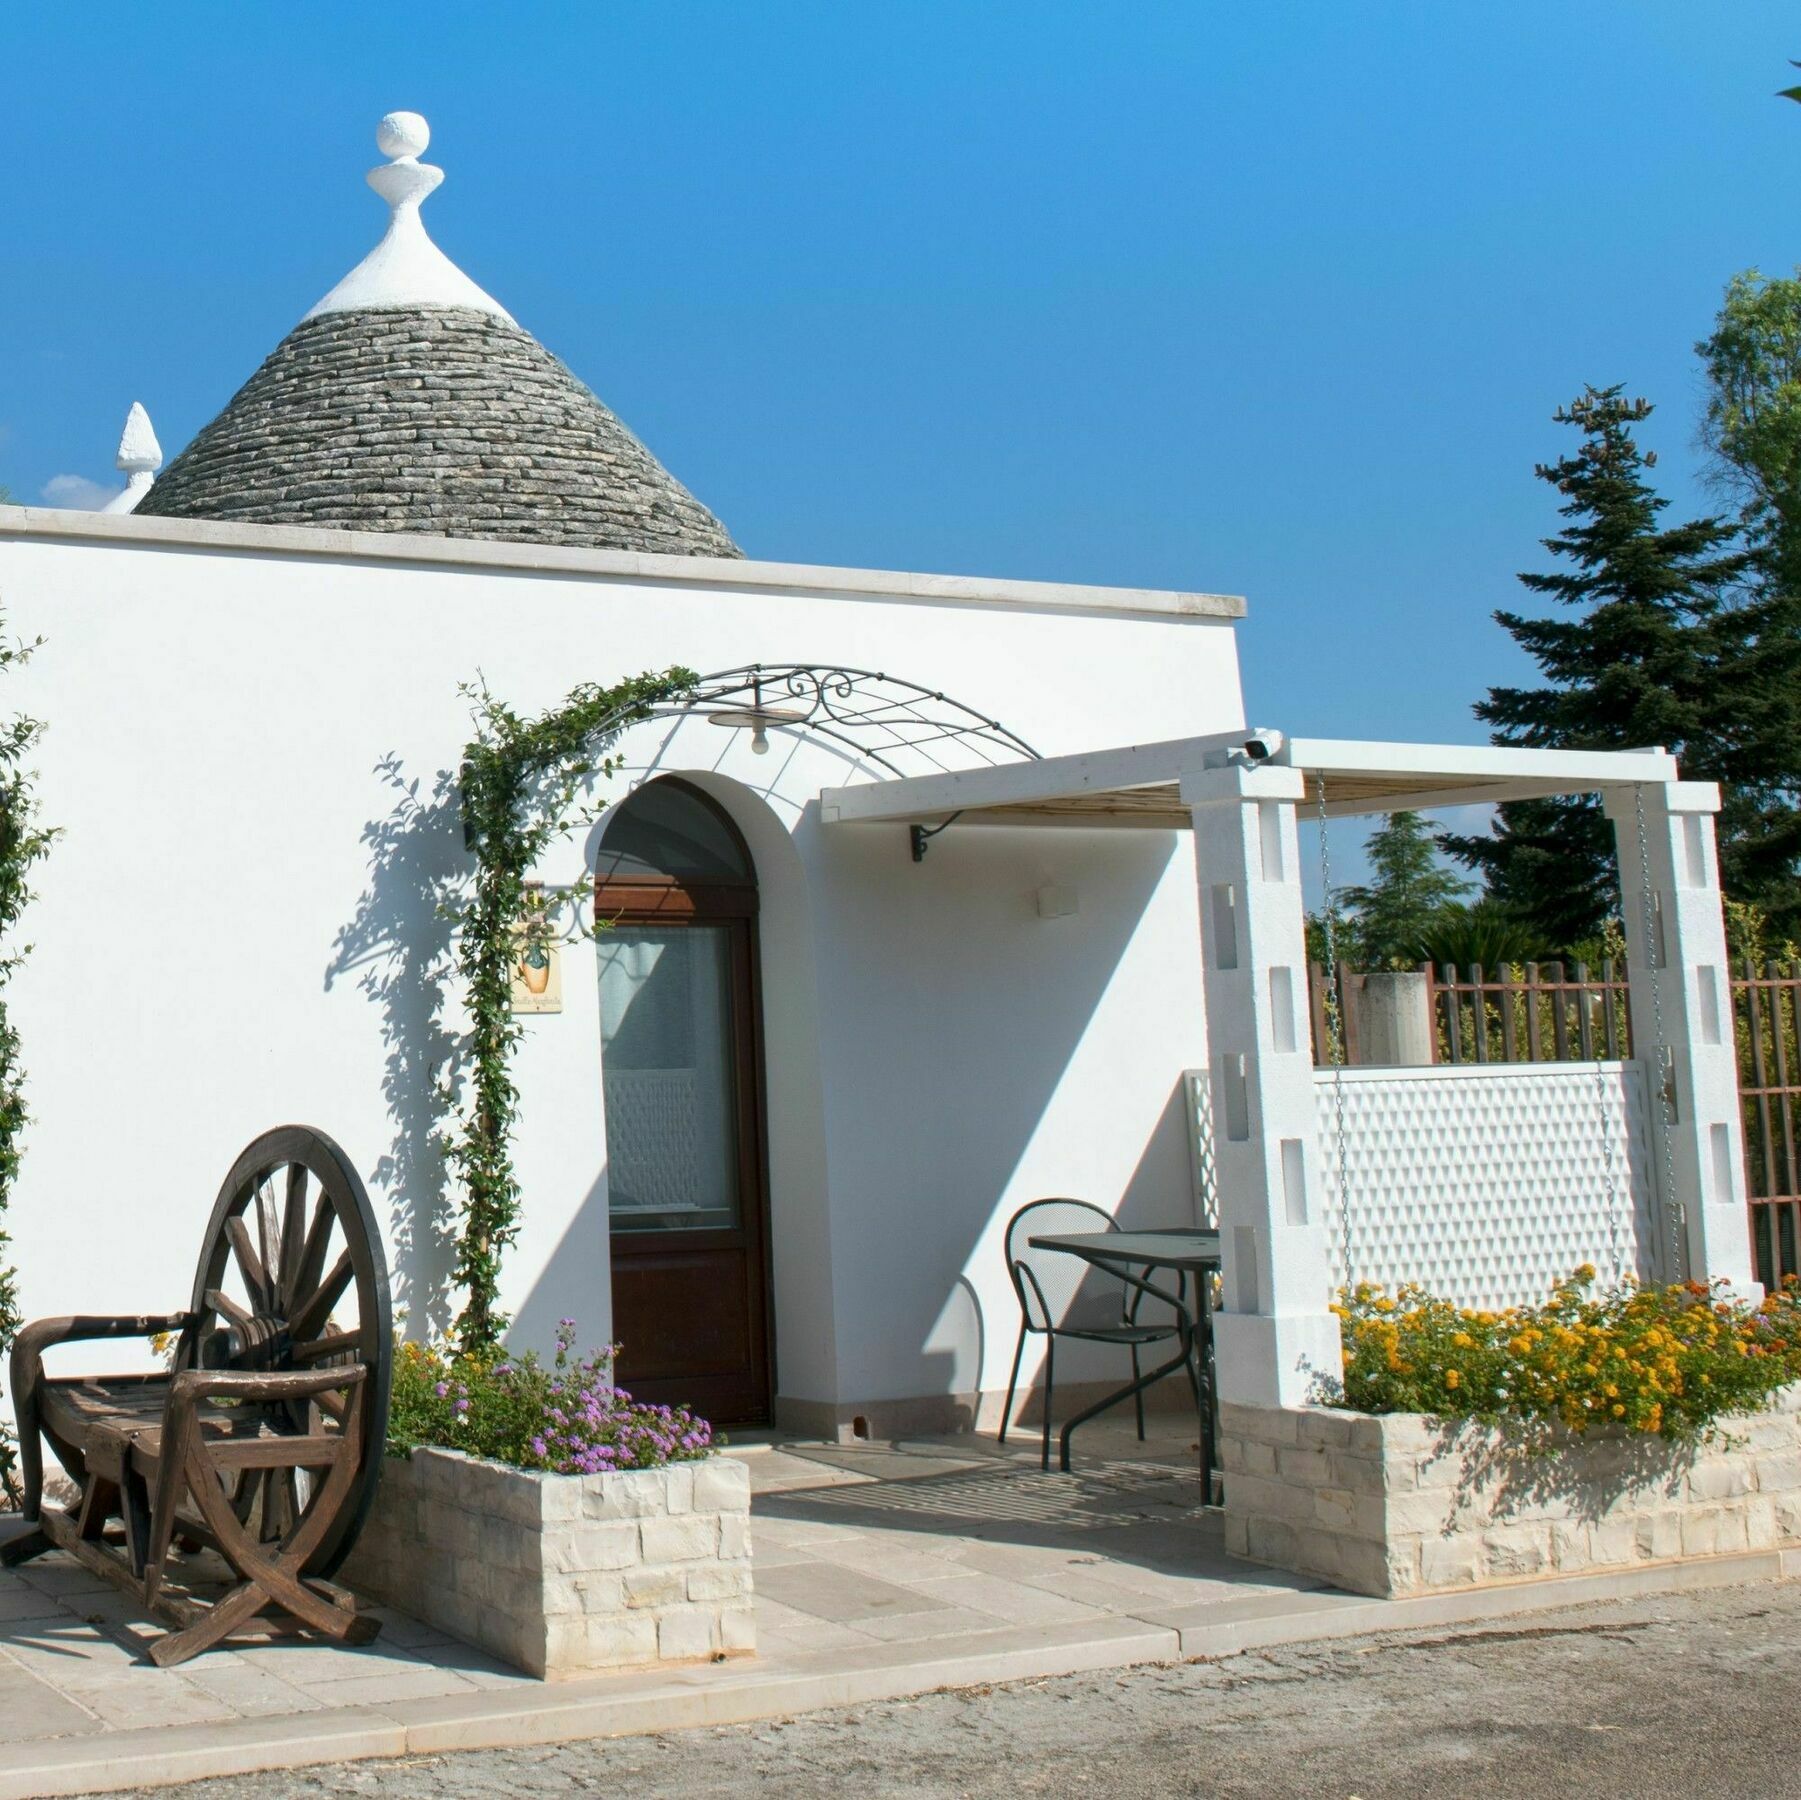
pixel 293 1277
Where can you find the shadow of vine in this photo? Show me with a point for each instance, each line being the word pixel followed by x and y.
pixel 397 947
pixel 1529 1466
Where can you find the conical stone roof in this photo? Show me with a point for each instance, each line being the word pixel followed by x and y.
pixel 409 400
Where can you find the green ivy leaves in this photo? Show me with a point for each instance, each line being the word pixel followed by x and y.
pixel 521 784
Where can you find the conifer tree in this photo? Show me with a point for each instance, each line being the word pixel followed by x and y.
pixel 1669 643
pixel 1408 888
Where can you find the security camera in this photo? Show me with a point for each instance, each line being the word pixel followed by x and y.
pixel 1263 746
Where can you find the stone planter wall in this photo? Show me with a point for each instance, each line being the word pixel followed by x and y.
pixel 564 1574
pixel 1396 1505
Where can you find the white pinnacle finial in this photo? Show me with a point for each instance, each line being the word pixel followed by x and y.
pixel 140 456
pixel 406 269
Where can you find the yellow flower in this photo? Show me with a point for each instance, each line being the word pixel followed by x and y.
pixel 1453 1379
pixel 1463 1341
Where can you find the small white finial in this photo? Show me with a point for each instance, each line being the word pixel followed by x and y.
pixel 402 134
pixel 406 268
pixel 140 456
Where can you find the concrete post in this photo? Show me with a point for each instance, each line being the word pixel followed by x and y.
pixel 1275 1331
pixel 1665 838
pixel 1394 1019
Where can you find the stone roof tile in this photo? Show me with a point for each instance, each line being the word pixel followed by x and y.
pixel 445 420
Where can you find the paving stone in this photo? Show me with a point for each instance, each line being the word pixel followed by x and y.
pixel 249 1691
pixel 20 1600
pixel 827 1592
pixel 947 1621
pixel 53 1575
pixel 31 1709
pixel 302 1661
pixel 379 1687
pixel 1011 1602
pixel 128 1703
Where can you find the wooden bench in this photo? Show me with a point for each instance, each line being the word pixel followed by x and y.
pixel 263 1441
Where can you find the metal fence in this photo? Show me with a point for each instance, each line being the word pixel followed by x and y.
pixel 1766 1009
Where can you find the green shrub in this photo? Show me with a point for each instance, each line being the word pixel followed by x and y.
pixel 1665 1360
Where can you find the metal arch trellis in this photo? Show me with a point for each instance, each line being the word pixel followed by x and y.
pixel 877 717
pixel 880 717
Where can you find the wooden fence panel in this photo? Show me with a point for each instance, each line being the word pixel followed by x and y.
pixel 1766 1011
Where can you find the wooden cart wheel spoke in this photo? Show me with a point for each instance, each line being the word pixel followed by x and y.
pixel 313 1313
pixel 267 1236
pixel 250 1265
pixel 333 1343
pixel 311 1263
pixel 293 1235
pixel 227 1308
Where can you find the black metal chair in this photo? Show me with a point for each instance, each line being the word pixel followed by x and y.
pixel 1062 1296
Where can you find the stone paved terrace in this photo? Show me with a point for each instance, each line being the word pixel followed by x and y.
pixel 855 1546
pixel 881 1570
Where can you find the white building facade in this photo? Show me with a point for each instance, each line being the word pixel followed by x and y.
pixel 251 687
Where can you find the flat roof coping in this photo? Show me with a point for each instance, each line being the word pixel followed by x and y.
pixel 127 531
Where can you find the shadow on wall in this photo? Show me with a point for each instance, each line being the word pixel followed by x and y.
pixel 996 1077
pixel 397 948
pixel 957 1345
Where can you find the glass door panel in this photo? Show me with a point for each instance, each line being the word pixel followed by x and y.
pixel 669 1077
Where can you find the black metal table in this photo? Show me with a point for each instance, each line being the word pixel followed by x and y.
pixel 1189 1250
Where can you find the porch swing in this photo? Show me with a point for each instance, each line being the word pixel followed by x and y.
pixel 1657 1066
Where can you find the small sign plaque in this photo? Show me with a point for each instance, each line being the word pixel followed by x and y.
pixel 537 972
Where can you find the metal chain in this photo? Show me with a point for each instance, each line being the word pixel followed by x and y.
pixel 1663 1071
pixel 1335 1042
pixel 1613 1179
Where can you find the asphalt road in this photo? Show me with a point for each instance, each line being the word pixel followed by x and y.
pixel 1682 1696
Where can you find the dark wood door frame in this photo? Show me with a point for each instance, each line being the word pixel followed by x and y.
pixel 673 903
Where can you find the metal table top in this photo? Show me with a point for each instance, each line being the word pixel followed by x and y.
pixel 1176 1248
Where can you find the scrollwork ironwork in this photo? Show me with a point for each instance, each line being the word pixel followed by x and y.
pixel 881 718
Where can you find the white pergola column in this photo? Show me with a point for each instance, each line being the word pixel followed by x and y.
pixel 1275 1331
pixel 1699 1152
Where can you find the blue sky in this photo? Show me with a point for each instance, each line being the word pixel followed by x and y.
pixel 1274 300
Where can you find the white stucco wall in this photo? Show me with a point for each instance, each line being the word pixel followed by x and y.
pixel 236 925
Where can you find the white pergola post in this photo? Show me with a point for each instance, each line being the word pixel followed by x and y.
pixel 1275 1331
pixel 1665 838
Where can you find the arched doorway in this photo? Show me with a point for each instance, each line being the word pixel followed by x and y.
pixel 681 1046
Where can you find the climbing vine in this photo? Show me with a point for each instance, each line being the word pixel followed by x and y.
pixel 521 784
pixel 23 842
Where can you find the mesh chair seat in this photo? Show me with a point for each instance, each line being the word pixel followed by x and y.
pixel 1118 1334
pixel 1060 1296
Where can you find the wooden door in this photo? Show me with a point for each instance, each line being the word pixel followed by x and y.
pixel 681 1066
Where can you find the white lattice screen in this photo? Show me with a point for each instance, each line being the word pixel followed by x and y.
pixel 1486 1183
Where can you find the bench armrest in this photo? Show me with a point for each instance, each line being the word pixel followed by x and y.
pixel 249 1384
pixel 40 1334
pixel 26 1368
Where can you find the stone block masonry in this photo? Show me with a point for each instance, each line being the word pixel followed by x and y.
pixel 564 1574
pixel 1398 1504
